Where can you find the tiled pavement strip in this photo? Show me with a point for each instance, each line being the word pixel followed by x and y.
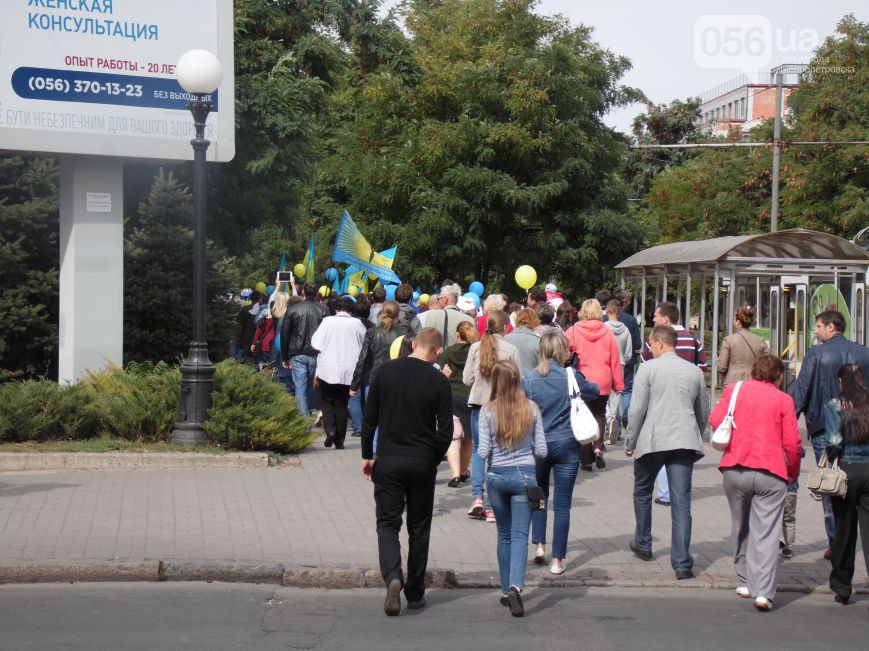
pixel 319 517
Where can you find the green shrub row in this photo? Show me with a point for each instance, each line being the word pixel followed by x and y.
pixel 140 403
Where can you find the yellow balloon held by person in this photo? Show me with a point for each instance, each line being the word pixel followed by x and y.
pixel 299 270
pixel 261 287
pixel 423 299
pixel 526 276
pixel 324 291
pixel 395 348
pixel 352 290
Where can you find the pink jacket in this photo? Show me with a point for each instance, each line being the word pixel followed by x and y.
pixel 598 352
pixel 765 434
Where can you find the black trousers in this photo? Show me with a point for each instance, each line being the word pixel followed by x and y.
pixel 598 410
pixel 336 398
pixel 399 481
pixel 851 513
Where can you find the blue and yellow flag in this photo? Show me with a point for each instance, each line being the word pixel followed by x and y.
pixel 309 262
pixel 351 248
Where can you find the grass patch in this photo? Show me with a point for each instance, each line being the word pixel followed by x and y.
pixel 105 444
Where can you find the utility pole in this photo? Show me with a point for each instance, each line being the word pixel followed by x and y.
pixel 776 153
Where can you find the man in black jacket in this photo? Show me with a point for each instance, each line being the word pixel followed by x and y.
pixel 300 322
pixel 816 385
pixel 411 405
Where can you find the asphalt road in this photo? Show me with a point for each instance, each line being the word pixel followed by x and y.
pixel 226 616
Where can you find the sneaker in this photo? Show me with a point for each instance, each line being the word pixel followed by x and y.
pixel 658 500
pixel 477 508
pixel 356 435
pixel 743 592
pixel 416 604
pixel 639 552
pixel 490 515
pixel 763 604
pixel 504 600
pixel 787 553
pixel 598 459
pixel 514 599
pixel 557 567
pixel 540 554
pixel 392 605
pixel 329 440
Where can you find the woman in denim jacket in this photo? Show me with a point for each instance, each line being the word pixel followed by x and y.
pixel 511 437
pixel 546 386
pixel 847 434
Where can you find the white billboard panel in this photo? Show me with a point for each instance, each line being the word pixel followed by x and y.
pixel 98 76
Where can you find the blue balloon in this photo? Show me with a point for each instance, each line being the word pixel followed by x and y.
pixel 470 296
pixel 415 297
pixel 390 292
pixel 477 288
pixel 269 290
pixel 331 274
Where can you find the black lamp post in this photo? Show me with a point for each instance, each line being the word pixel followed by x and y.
pixel 199 73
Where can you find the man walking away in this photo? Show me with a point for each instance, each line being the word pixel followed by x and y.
pixel 816 385
pixel 668 414
pixel 410 404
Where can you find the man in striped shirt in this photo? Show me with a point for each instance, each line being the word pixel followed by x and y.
pixel 689 348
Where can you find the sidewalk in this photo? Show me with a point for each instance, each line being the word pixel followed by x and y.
pixel 313 524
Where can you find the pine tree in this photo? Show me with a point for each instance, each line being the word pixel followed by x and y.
pixel 158 280
pixel 28 267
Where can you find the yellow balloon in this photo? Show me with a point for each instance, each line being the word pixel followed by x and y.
pixel 299 270
pixel 324 291
pixel 395 347
pixel 423 300
pixel 260 287
pixel 352 290
pixel 526 276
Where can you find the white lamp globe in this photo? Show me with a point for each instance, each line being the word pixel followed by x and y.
pixel 198 71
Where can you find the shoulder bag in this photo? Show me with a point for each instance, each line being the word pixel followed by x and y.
pixel 827 482
pixel 582 421
pixel 721 436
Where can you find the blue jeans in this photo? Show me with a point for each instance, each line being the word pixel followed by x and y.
pixel 304 368
pixel 513 518
pixel 357 407
pixel 818 445
pixel 562 458
pixel 478 465
pixel 680 467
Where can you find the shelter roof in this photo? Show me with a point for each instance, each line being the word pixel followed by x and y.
pixel 794 244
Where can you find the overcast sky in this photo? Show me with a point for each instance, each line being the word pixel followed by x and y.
pixel 658 36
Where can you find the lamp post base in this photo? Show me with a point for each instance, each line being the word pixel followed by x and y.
pixel 197 380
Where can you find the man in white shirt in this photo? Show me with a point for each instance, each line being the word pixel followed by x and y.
pixel 338 340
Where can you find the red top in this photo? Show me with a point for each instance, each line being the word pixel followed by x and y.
pixel 482 320
pixel 265 333
pixel 765 431
pixel 598 352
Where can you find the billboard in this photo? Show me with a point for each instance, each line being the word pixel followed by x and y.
pixel 98 77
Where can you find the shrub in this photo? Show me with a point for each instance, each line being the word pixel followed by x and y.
pixel 136 406
pixel 251 412
pixel 40 410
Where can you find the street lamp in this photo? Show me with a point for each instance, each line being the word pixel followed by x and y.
pixel 199 73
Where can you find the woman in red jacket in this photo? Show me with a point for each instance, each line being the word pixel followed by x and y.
pixel 762 458
pixel 601 364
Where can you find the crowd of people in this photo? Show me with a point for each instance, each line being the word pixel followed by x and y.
pixel 486 388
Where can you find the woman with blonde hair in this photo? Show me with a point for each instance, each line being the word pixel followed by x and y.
pixel 482 357
pixel 453 361
pixel 279 309
pixel 511 438
pixel 546 386
pixel 600 362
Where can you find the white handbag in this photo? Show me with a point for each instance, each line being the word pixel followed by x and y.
pixel 582 421
pixel 722 434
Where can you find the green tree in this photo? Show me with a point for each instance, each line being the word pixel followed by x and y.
pixel 28 267
pixel 827 187
pixel 477 145
pixel 158 281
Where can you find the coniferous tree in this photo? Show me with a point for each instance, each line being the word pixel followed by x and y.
pixel 158 281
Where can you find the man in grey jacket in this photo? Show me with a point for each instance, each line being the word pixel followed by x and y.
pixel 668 413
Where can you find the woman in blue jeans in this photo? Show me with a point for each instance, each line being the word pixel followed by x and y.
pixel 511 437
pixel 546 386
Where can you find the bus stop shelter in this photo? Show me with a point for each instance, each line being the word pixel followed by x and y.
pixel 788 277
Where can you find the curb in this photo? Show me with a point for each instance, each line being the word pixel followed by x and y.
pixel 349 578
pixel 28 461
